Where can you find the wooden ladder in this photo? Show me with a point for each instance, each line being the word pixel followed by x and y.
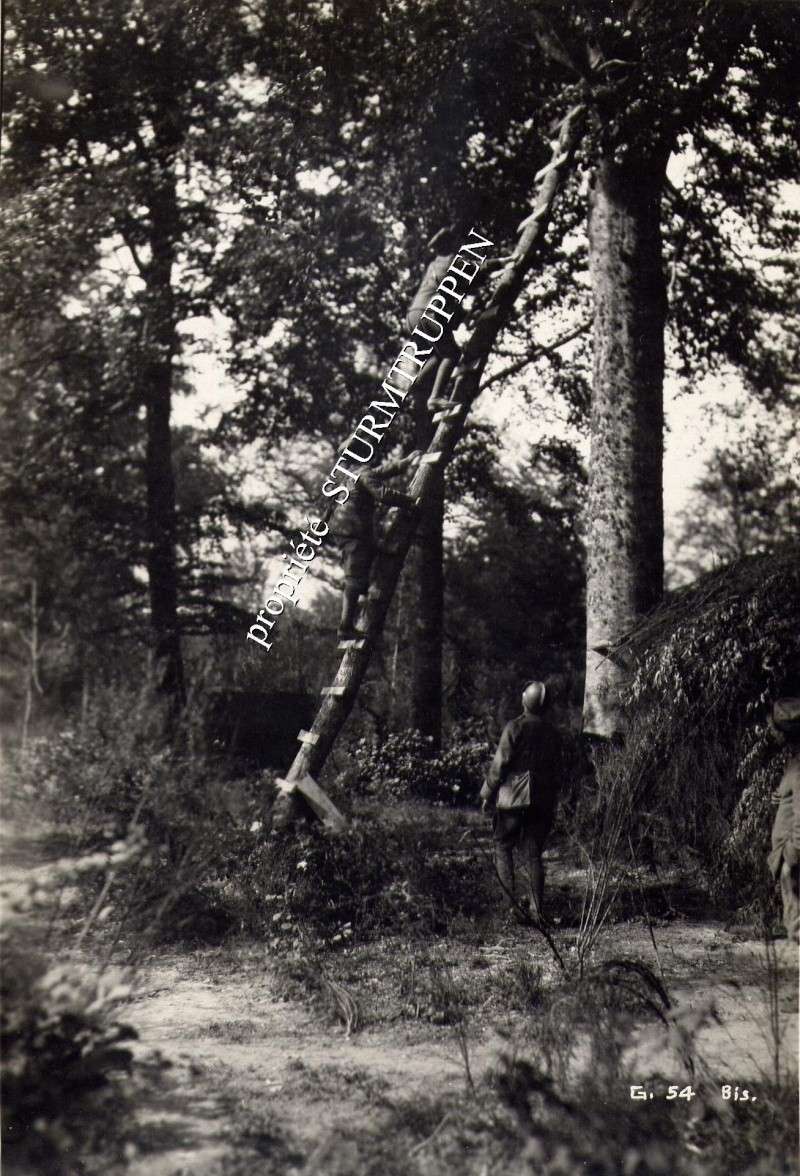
pixel 339 697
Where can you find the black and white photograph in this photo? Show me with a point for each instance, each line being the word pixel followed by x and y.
pixel 400 591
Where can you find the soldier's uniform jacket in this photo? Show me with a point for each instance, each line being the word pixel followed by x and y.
pixel 355 518
pixel 528 744
pixel 786 827
pixel 427 288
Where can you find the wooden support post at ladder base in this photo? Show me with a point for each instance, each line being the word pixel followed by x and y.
pixel 318 801
pixel 338 700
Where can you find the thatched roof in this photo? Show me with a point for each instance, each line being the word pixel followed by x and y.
pixel 764 586
pixel 704 667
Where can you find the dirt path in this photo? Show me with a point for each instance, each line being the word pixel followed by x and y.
pixel 258 1085
pixel 251 1072
pixel 231 1034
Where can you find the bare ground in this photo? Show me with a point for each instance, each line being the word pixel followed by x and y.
pixel 261 1077
pixel 261 1083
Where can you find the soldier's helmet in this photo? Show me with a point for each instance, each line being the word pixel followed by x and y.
pixel 533 696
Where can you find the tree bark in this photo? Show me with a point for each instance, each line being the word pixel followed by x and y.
pixel 428 580
pixel 157 376
pixel 625 533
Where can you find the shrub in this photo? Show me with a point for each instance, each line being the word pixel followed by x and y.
pixel 64 1052
pixel 572 1105
pixel 699 762
pixel 119 768
pixel 393 874
pixel 405 766
pixel 203 867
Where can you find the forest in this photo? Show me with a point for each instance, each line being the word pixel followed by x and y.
pixel 364 364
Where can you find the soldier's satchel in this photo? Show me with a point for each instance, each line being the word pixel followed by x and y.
pixel 515 791
pixel 786 715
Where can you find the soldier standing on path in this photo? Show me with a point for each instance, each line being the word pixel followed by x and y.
pixel 522 790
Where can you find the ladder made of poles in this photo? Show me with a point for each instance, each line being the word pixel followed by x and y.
pixel 339 697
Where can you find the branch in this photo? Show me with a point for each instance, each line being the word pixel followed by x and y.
pixel 141 266
pixel 532 356
pixel 552 45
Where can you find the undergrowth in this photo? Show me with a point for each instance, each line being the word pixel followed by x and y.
pixel 379 875
pixel 405 765
pixel 557 1101
pixel 67 1070
pixel 207 867
pixel 700 761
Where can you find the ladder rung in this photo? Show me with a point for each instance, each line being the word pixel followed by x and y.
pixel 551 166
pixel 337 691
pixel 358 643
pixel 307 737
pixel 446 413
pixel 430 458
pixel 536 215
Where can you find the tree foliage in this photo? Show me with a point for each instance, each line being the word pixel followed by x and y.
pixel 73 506
pixel 515 579
pixel 416 116
pixel 747 502
pixel 284 164
pixel 113 189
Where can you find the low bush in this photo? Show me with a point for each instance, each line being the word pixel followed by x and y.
pixel 406 766
pixel 118 769
pixel 65 1059
pixel 206 866
pixel 396 874
pixel 592 1124
pixel 700 762
pixel 572 1102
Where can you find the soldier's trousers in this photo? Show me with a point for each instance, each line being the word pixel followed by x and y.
pixel 522 831
pixel 790 894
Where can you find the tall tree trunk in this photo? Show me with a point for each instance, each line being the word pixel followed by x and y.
pixel 625 538
pixel 162 345
pixel 428 580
